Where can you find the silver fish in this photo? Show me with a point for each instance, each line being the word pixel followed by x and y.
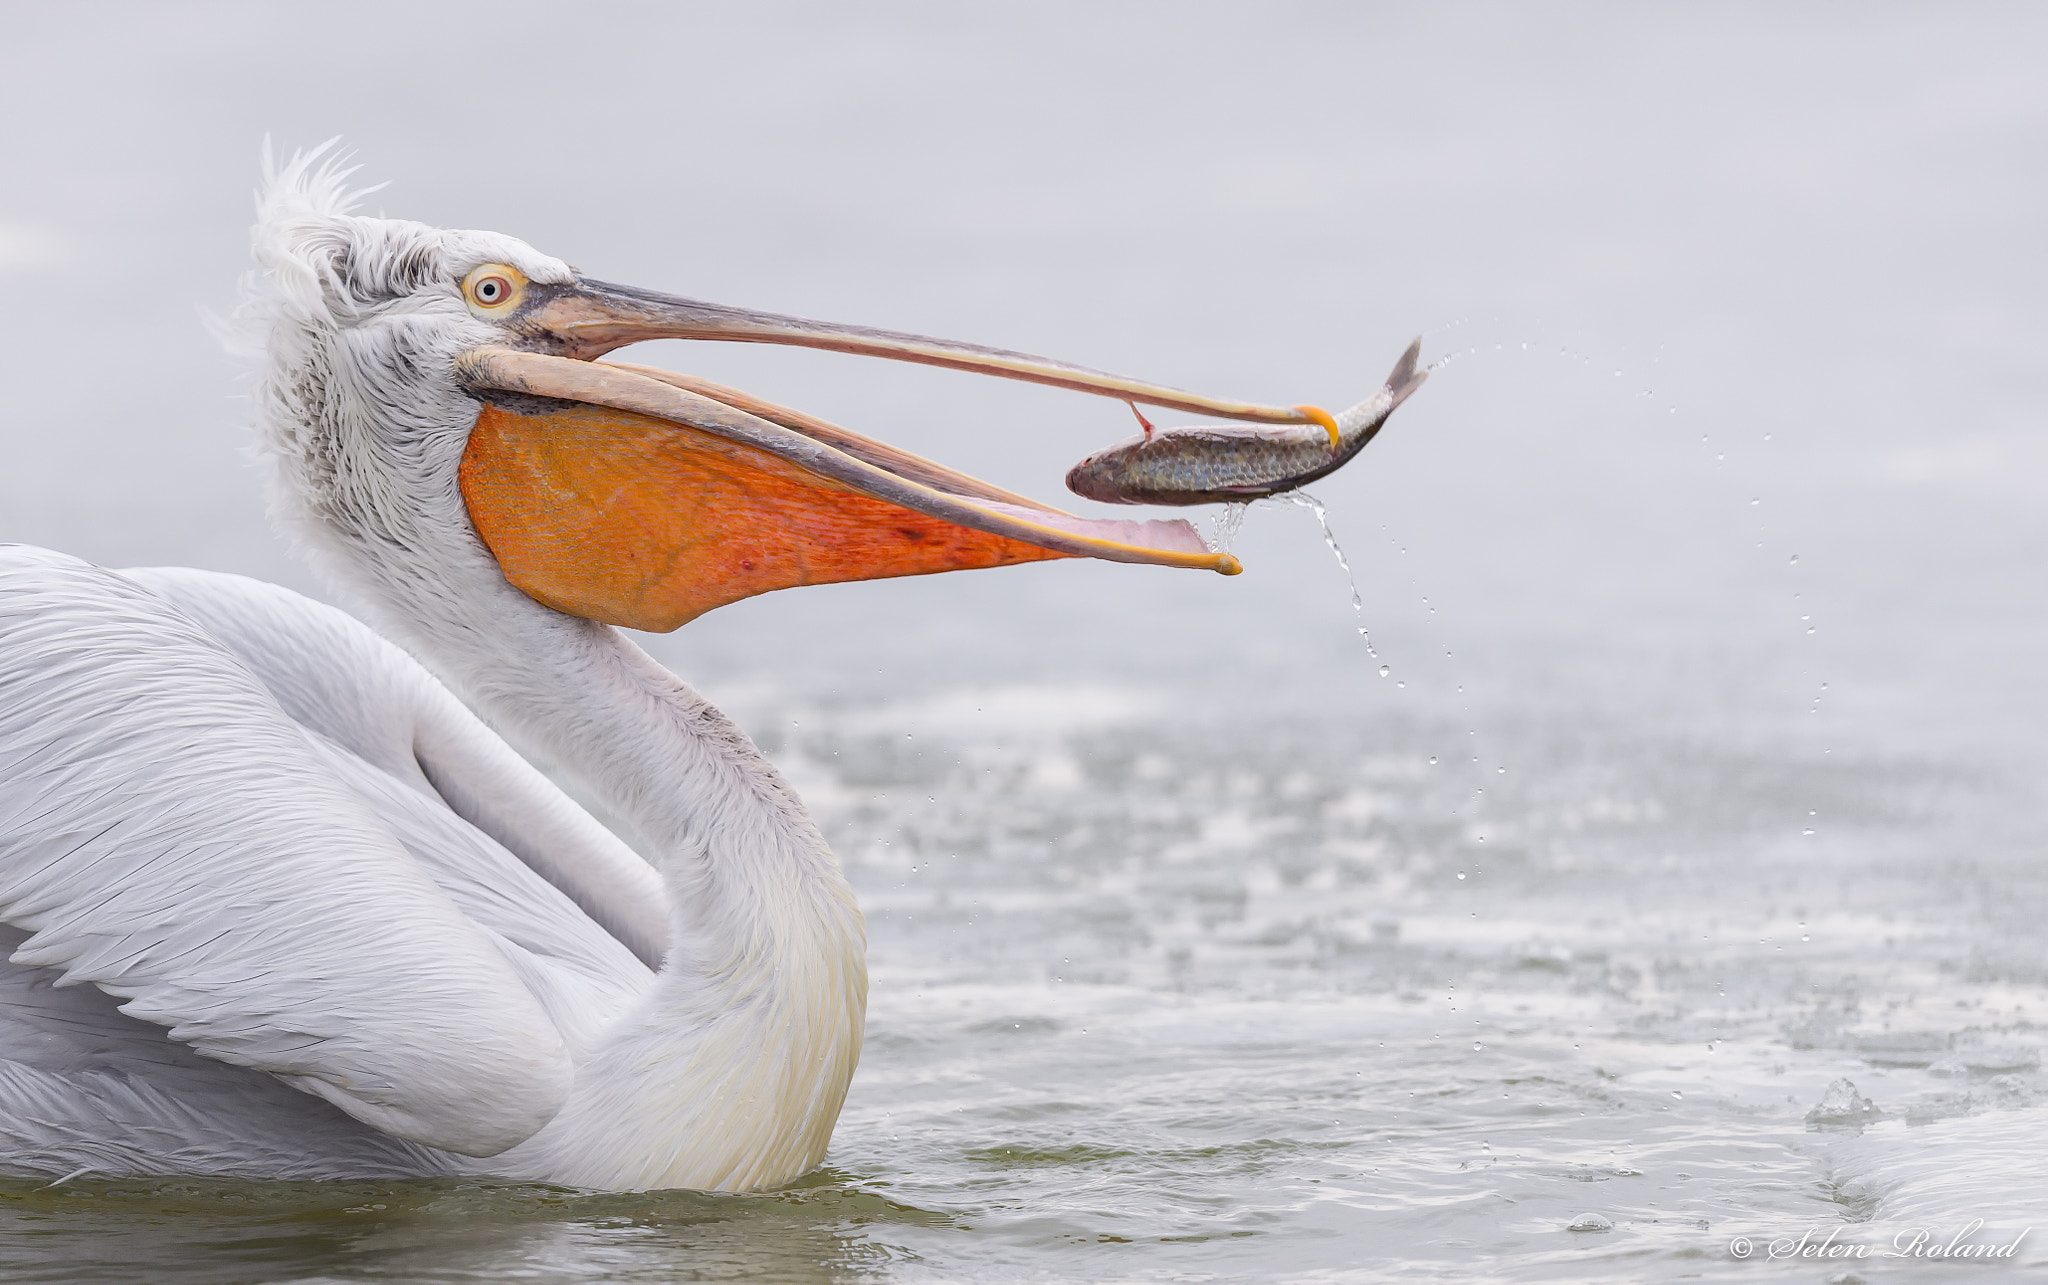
pixel 1216 464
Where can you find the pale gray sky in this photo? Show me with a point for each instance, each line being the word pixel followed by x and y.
pixel 1811 234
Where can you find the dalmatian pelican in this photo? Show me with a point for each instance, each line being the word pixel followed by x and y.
pixel 278 901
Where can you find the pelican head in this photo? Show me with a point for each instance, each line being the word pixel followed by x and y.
pixel 432 402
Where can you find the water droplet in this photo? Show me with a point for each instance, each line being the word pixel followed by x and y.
pixel 1432 760
pixel 1227 523
pixel 1302 499
pixel 1385 670
pixel 1676 1094
pixel 1755 500
pixel 1461 874
pixel 1794 558
pixel 1476 1045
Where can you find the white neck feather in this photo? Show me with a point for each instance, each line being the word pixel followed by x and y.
pixel 732 1074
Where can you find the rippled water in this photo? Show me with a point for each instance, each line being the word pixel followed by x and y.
pixel 1159 998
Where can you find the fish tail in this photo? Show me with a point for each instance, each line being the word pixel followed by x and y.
pixel 1405 379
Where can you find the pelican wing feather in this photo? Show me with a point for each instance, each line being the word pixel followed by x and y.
pixel 334 675
pixel 172 836
pixel 89 1089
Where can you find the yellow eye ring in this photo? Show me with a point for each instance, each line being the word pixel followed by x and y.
pixel 494 287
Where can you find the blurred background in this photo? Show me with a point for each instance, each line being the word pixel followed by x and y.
pixel 1720 523
pixel 1711 290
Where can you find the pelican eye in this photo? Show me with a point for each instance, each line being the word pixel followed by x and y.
pixel 494 288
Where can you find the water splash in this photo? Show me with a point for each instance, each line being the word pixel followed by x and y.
pixel 1303 500
pixel 1225 526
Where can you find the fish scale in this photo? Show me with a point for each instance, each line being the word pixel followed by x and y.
pixel 1223 464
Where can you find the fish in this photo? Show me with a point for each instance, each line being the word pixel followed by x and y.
pixel 1230 464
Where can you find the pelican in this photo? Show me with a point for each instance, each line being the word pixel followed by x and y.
pixel 278 896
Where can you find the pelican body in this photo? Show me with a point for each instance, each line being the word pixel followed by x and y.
pixel 279 897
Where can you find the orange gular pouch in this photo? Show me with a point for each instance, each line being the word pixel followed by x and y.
pixel 647 523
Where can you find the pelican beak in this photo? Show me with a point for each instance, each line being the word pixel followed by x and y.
pixel 587 319
pixel 645 498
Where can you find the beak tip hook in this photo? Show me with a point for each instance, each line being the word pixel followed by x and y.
pixel 1317 415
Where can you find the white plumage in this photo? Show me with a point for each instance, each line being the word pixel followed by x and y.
pixel 279 905
pixel 263 870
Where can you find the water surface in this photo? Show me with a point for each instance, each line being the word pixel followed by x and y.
pixel 1160 997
